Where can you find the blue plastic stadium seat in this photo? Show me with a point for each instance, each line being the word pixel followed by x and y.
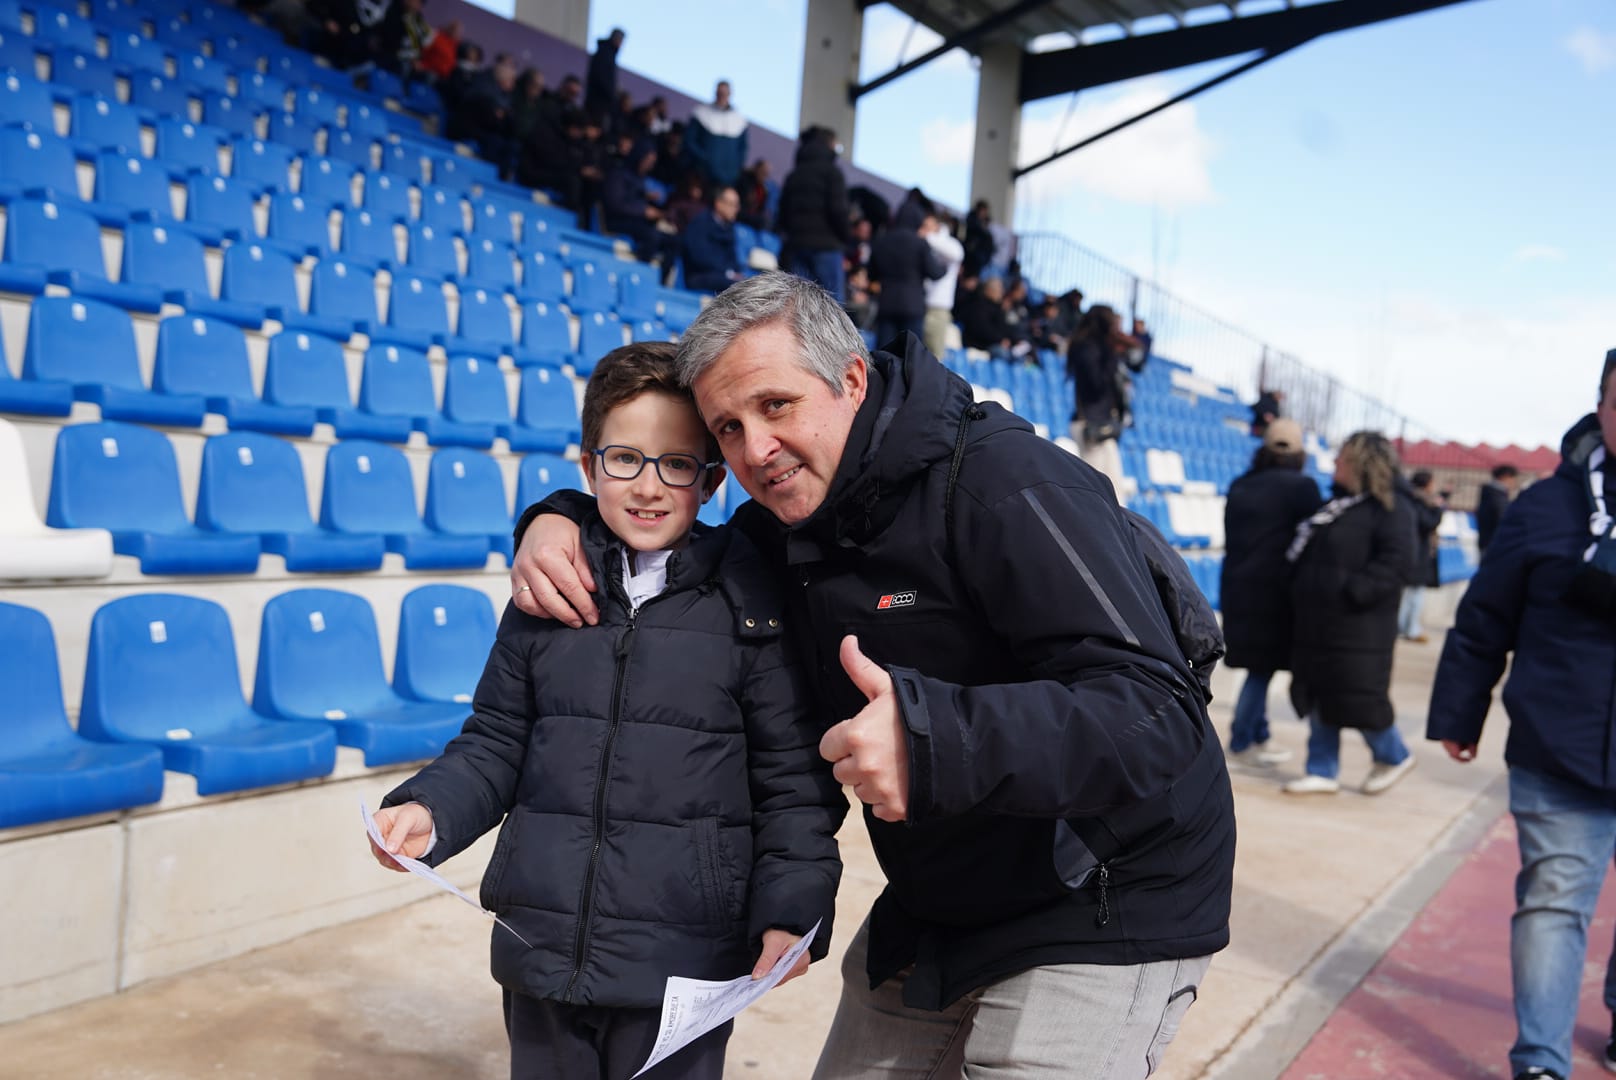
pixel 367 121
pixel 123 478
pixel 306 369
pixel 162 673
pixel 462 173
pixel 543 278
pixel 546 336
pixel 594 287
pixel 352 149
pixel 265 166
pixel 61 30
pixel 136 186
pixel 172 260
pixel 491 219
pixel 198 355
pixel 490 264
pixel 160 95
pixel 400 160
pixel 252 484
pixel 28 396
pixel 178 35
pixel 368 238
pixel 35 162
pixel 538 475
pixel 136 53
pixel 187 147
pixel 203 72
pixel 445 633
pixel 314 104
pixel 300 225
pixel 48 771
pixel 102 123
pixel 233 116
pixel 397 381
pixel 441 209
pixel 598 334
pixel 219 208
pixel 543 233
pixel 268 91
pixel 417 313
pixel 87 74
pixel 546 411
pixel 90 346
pixel 368 490
pixel 432 252
pixel 319 658
pixel 485 323
pixel 387 197
pixel 327 182
pixel 649 330
pixel 343 290
pixel 265 275
pixel 25 101
pixel 465 496
pixel 636 298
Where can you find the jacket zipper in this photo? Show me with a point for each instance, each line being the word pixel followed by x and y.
pixel 1104 915
pixel 587 901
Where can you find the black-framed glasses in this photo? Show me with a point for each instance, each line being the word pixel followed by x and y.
pixel 675 470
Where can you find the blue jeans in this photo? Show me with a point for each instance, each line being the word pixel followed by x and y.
pixel 824 267
pixel 1324 748
pixel 1567 836
pixel 1408 613
pixel 1251 712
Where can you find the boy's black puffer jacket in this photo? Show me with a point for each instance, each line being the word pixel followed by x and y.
pixel 659 776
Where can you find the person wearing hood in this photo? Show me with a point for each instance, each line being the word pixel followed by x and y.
pixel 812 218
pixel 600 88
pixel 715 140
pixel 1544 602
pixel 901 263
pixel 1019 695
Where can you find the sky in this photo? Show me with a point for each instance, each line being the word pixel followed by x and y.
pixel 1425 208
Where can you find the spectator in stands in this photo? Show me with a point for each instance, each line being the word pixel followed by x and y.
pixel 860 303
pixel 550 157
pixel 347 32
pixel 715 139
pixel 1350 561
pixel 1018 320
pixel 860 244
pixel 468 66
pixel 813 212
pixel 901 263
pixel 1493 500
pixel 1420 491
pixel 1041 783
pixel 627 210
pixel 711 262
pixel 1546 593
pixel 981 319
pixel 670 169
pixel 483 115
pixel 439 54
pixel 1065 324
pixel 411 35
pixel 527 107
pixel 600 89
pixel 659 122
pixel 759 194
pixel 1094 364
pixel 687 203
pixel 978 240
pixel 742 749
pixel 1265 505
pixel 1269 407
pixel 940 292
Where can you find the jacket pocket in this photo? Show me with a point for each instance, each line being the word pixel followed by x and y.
pixel 491 891
pixel 712 869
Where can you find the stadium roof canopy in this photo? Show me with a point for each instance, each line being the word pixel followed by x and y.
pixel 1072 45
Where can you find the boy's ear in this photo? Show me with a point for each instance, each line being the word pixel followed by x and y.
pixel 715 480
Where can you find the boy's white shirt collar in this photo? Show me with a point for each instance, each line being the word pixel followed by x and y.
pixel 651 579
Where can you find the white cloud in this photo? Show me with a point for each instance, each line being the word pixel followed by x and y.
pixel 884 46
pixel 948 142
pixel 1595 49
pixel 1539 253
pixel 1160 161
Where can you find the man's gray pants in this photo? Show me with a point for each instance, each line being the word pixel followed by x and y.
pixel 1066 1021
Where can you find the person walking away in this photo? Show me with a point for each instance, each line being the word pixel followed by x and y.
pixel 1094 364
pixel 1427 507
pixel 1493 500
pixel 901 263
pixel 813 213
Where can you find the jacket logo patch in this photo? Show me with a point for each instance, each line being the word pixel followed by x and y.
pixel 895 600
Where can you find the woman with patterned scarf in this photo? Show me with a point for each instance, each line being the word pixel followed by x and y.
pixel 1349 563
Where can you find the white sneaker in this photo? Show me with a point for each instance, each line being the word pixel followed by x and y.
pixel 1382 777
pixel 1258 755
pixel 1312 785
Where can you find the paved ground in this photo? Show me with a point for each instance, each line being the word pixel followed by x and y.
pixel 1325 889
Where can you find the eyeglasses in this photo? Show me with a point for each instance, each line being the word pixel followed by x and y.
pixel 675 470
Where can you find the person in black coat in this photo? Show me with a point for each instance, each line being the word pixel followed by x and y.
pixel 665 808
pixel 901 262
pixel 1420 492
pixel 1493 501
pixel 627 210
pixel 1264 507
pixel 711 264
pixel 1351 560
pixel 1543 605
pixel 600 86
pixel 812 217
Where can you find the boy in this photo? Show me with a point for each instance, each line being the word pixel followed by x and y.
pixel 666 810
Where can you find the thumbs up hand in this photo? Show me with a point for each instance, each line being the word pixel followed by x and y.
pixel 870 752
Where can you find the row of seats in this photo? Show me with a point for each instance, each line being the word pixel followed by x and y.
pixel 162 690
pixel 124 479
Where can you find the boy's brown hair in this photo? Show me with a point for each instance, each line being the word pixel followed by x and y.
pixel 646 367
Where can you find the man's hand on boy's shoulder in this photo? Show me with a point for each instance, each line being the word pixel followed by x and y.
pixel 775 944
pixel 550 577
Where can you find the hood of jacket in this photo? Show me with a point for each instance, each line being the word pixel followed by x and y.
pixel 814 151
pixel 910 215
pixel 1578 443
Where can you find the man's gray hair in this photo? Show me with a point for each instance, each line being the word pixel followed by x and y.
pixel 827 341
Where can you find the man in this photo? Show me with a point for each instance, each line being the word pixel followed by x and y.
pixel 1493 501
pixel 1546 592
pixel 901 263
pixel 1420 491
pixel 715 140
pixel 940 291
pixel 1269 406
pixel 813 213
pixel 711 264
pixel 1043 789
pixel 600 91
pixel 630 212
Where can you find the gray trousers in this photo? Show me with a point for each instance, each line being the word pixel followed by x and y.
pixel 1066 1021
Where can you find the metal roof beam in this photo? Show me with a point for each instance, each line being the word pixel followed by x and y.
pixel 1047 74
pixel 954 41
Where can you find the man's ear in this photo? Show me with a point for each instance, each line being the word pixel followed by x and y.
pixel 856 378
pixel 715 480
